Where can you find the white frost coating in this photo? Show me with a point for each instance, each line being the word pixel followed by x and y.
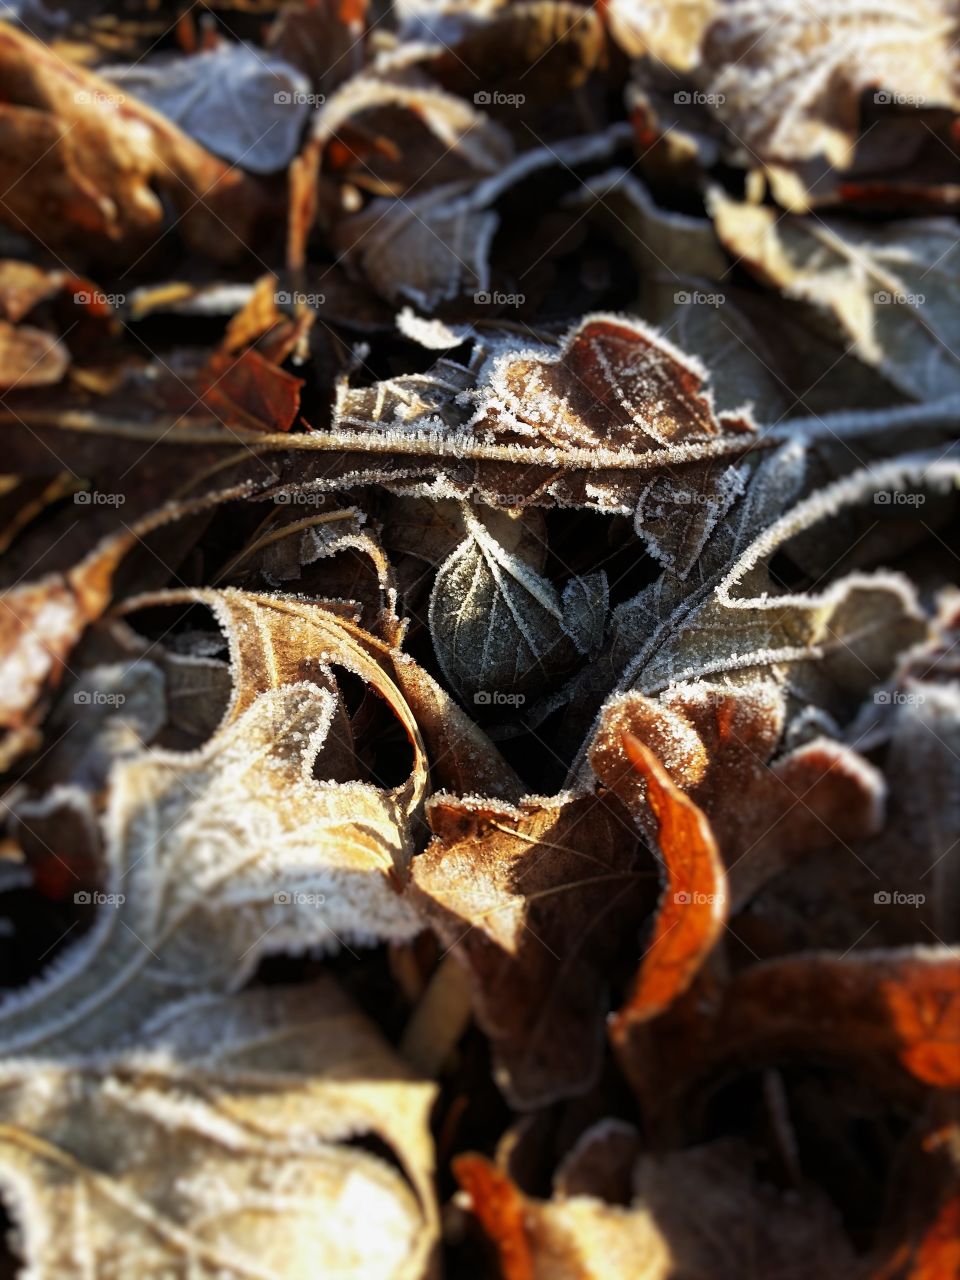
pixel 200 848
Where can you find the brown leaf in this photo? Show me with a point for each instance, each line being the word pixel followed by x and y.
pixel 766 807
pixel 29 357
pixel 534 899
pixel 249 391
pixel 890 1016
pixel 99 159
pixel 695 1213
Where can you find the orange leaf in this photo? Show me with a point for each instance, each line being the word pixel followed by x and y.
pixel 693 906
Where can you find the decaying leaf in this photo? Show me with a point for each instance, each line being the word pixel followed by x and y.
pixel 222 1140
pixel 890 294
pixel 693 907
pixel 534 898
pixel 80 161
pixel 889 1015
pixel 790 83
pixel 694 1213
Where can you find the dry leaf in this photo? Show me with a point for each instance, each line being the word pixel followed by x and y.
pixel 222 1140
pixel 534 898
pixel 693 907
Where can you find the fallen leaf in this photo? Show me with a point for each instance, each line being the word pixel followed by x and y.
pixel 693 906
pixel 534 899
pixel 222 1138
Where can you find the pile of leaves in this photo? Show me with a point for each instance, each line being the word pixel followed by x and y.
pixel 479 688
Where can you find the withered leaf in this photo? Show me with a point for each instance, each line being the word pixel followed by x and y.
pixel 693 1213
pixel 766 807
pixel 99 159
pixel 888 293
pixel 219 1140
pixel 29 357
pixel 790 83
pixel 534 898
pixel 693 907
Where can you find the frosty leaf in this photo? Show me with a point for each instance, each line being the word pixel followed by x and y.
pixel 614 384
pixel 498 626
pixel 242 104
pixel 764 353
pixel 693 907
pixel 585 603
pixel 219 1142
pixel 765 808
pixel 791 79
pixel 705 1211
pixel 40 622
pixel 434 246
pixel 533 899
pixel 234 850
pixel 219 857
pixel 889 293
pixel 826 649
